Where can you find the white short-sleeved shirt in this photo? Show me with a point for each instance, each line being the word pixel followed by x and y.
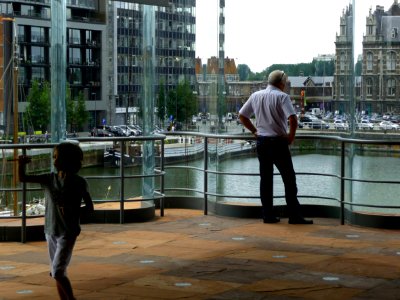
pixel 271 108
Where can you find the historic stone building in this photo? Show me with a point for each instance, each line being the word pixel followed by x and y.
pixel 381 61
pixel 344 70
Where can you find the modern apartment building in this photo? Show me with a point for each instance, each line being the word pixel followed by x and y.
pixel 174 57
pixel 30 32
pixel 104 53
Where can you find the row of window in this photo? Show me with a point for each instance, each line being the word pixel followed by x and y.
pixel 390 61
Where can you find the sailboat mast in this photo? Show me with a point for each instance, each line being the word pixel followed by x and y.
pixel 15 115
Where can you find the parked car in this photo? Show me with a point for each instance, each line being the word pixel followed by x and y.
pixel 101 133
pixel 126 130
pixel 365 124
pixel 388 125
pixel 138 129
pixel 117 131
pixel 340 125
pixel 134 130
pixel 319 124
pixel 307 120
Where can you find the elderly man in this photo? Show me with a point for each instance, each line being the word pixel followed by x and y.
pixel 273 108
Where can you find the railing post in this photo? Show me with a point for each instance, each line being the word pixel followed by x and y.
pixel 122 189
pixel 205 171
pixel 342 182
pixel 23 208
pixel 162 188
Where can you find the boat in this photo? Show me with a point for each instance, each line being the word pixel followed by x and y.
pixel 112 158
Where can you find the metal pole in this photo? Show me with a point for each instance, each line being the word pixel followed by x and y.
pixel 205 171
pixel 15 132
pixel 342 182
pixel 122 177
pixel 23 208
pixel 162 187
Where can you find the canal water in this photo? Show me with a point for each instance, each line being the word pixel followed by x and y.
pixel 318 186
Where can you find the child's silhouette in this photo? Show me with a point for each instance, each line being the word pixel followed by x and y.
pixel 64 192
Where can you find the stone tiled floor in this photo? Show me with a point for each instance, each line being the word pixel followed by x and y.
pixel 186 255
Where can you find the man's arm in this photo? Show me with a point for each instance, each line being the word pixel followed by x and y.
pixel 292 128
pixel 248 124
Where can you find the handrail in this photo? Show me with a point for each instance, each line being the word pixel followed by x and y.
pixel 161 170
pixel 343 141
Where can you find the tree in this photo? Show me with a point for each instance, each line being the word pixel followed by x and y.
pixel 244 72
pixel 77 114
pixel 69 106
pixel 82 115
pixel 161 105
pixel 38 108
pixel 182 103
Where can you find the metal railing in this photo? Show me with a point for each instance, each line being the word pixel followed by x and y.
pixel 204 151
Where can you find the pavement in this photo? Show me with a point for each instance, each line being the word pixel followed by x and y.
pixel 187 255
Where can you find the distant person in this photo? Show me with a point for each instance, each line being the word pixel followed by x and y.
pixel 64 192
pixel 272 109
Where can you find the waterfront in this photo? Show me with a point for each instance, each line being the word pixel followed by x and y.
pixel 316 187
pixel 232 173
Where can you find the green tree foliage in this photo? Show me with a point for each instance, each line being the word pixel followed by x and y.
pixel 182 103
pixel 314 68
pixel 161 105
pixel 82 115
pixel 38 108
pixel 77 115
pixel 244 72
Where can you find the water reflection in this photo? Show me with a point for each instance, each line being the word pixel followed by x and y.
pixel 364 167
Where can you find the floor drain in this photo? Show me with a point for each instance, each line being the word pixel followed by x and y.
pixel 24 292
pixel 204 224
pixel 147 261
pixel 352 236
pixel 279 256
pixel 119 243
pixel 6 268
pixel 183 284
pixel 330 278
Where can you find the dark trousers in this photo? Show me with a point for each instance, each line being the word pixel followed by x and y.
pixel 275 151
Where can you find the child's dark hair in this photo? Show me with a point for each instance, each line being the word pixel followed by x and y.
pixel 70 157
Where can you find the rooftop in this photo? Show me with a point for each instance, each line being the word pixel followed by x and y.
pixel 188 255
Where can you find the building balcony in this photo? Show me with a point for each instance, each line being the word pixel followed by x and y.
pixel 203 239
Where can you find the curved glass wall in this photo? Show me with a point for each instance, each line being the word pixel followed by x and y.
pixel 353 88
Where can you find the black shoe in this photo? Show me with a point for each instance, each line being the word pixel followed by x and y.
pixel 300 220
pixel 271 220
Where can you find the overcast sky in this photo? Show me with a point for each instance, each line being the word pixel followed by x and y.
pixel 260 33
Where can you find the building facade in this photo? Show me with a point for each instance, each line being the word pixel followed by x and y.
pixel 30 35
pixel 380 90
pixel 174 57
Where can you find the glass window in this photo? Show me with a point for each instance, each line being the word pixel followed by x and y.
pixel 369 87
pixel 37 34
pixel 38 74
pixel 37 54
pixel 74 36
pixel 370 61
pixel 391 61
pixel 75 76
pixel 21 33
pixel 75 56
pixel 342 61
pixel 391 87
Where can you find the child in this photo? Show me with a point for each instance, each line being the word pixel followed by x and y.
pixel 64 191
